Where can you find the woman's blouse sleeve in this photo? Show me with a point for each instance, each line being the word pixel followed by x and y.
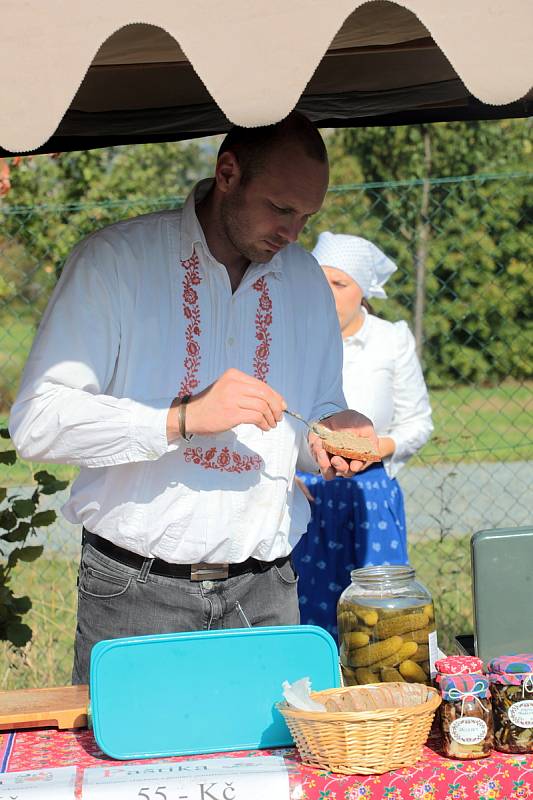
pixel 411 424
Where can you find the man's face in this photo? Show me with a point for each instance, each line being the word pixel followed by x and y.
pixel 270 210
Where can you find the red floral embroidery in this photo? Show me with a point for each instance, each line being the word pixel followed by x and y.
pixel 191 310
pixel 263 321
pixel 224 460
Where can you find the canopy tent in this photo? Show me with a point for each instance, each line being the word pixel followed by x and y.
pixel 83 75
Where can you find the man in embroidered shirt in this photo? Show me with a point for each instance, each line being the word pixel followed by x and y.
pixel 190 511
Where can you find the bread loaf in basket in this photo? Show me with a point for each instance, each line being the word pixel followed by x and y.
pixel 365 730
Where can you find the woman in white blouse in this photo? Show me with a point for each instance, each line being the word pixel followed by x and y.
pixel 361 522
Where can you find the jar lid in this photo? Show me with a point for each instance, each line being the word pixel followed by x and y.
pixel 458 665
pixel 514 664
pixel 458 687
pixel 383 573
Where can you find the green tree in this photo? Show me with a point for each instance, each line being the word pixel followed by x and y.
pixel 55 202
pixel 462 249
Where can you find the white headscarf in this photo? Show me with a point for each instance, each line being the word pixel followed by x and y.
pixel 360 259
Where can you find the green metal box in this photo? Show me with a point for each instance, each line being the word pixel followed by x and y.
pixel 502 590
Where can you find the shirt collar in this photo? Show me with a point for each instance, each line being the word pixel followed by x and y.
pixel 193 235
pixel 360 336
pixel 191 230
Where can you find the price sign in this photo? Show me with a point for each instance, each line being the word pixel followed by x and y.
pixel 39 784
pixel 204 779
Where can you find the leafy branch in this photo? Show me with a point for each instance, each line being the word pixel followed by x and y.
pixel 20 519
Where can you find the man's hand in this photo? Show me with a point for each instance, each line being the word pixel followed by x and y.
pixel 233 399
pixel 333 466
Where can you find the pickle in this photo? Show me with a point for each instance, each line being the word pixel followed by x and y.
pixel 346 622
pixel 412 672
pixel 361 614
pixel 390 613
pixel 365 656
pixel 355 639
pixel 365 675
pixel 407 650
pixel 391 675
pixel 367 616
pixel 421 636
pixel 373 638
pixel 396 626
pixel 421 654
pixel 364 629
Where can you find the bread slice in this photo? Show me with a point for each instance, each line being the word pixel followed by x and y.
pixel 347 444
pixel 352 455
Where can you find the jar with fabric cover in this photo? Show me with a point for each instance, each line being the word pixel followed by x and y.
pixel 466 713
pixel 386 624
pixel 511 685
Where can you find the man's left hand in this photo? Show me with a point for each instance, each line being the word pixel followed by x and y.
pixel 336 466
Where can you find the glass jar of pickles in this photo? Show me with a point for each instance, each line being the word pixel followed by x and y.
pixel 386 624
pixel 511 686
pixel 466 713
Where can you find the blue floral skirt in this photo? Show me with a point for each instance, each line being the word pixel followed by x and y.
pixel 355 522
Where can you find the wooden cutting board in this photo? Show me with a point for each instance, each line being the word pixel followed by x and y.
pixel 60 706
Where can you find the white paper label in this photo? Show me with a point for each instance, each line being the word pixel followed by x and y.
pixel 42 784
pixel 262 778
pixel 521 714
pixel 468 730
pixel 433 651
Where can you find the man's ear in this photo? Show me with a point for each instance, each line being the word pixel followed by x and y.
pixel 227 172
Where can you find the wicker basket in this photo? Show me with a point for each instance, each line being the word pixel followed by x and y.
pixel 365 730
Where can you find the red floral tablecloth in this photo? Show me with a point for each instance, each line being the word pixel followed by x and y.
pixel 500 777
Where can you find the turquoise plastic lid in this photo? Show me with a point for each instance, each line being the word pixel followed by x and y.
pixel 202 692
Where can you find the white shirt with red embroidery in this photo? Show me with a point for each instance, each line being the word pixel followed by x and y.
pixel 142 313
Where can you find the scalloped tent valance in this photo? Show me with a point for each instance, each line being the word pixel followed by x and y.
pixel 85 74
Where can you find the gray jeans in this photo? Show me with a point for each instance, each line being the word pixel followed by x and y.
pixel 115 601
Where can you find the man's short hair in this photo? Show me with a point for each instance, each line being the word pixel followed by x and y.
pixel 251 146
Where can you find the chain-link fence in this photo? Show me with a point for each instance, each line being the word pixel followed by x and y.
pixel 463 250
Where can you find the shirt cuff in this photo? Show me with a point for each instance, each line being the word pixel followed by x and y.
pixel 396 461
pixel 148 431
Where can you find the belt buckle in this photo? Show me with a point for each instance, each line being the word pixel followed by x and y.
pixel 209 572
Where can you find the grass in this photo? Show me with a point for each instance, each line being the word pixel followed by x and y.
pixel 47 659
pixel 444 567
pixel 16 336
pixel 472 424
pixel 475 423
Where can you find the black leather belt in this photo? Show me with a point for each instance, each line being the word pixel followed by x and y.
pixel 192 572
